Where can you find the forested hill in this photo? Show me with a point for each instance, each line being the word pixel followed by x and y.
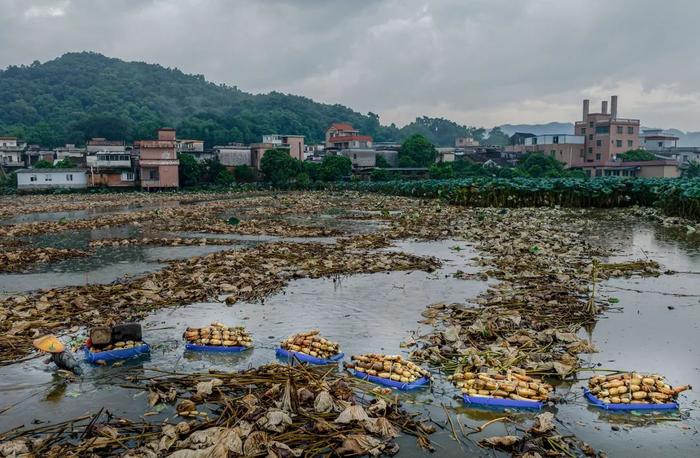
pixel 82 95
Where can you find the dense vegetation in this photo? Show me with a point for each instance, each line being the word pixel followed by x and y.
pixel 679 197
pixel 84 95
pixel 635 155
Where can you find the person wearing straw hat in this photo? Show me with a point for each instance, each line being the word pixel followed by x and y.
pixel 62 358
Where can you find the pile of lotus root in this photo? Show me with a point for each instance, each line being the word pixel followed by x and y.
pixel 121 345
pixel 633 388
pixel 219 334
pixel 392 367
pixel 311 343
pixel 511 385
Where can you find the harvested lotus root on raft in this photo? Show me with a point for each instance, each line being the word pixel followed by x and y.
pixel 391 367
pixel 121 345
pixel 311 343
pixel 633 388
pixel 218 334
pixel 514 384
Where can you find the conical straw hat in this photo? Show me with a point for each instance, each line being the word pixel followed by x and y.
pixel 49 344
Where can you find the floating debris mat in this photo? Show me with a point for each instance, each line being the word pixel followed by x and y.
pixel 218 338
pixel 117 352
pixel 632 391
pixel 388 370
pixel 512 389
pixel 310 347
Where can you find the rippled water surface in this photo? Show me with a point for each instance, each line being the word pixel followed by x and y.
pixel 653 328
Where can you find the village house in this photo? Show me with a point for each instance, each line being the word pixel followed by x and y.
pixel 11 152
pixel 71 152
pixel 342 136
pixel 111 169
pixel 294 143
pixel 158 163
pixel 605 134
pixel 42 179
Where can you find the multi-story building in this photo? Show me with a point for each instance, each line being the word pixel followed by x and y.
pixel 342 136
pixel 294 143
pixel 73 153
pixel 463 142
pixel 233 155
pixel 605 134
pixel 568 149
pixel 11 152
pixel 102 145
pixel 114 170
pixel 158 163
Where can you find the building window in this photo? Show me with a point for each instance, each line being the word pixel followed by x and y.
pixel 618 143
pixel 661 144
pixel 597 156
pixel 32 178
pixel 598 172
pixel 598 143
pixel 555 140
pixel 619 129
pixel 153 174
pixel 590 136
pixel 534 140
pixel 590 150
pixel 583 131
pixel 590 124
pixel 630 143
pixel 602 130
pixel 630 130
pixel 354 156
pixel 581 154
pixel 127 176
pixel 69 177
pixel 48 178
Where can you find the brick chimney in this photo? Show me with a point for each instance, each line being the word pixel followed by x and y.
pixel 604 107
pixel 586 104
pixel 613 106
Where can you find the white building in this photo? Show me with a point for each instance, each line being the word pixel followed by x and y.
pixel 657 140
pixel 37 179
pixel 11 152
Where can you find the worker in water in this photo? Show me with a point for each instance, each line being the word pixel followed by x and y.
pixel 60 356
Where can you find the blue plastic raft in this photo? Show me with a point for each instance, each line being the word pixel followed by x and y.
pixel 598 403
pixel 215 348
pixel 289 354
pixel 421 382
pixel 498 402
pixel 116 355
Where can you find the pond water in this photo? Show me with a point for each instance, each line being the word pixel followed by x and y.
pixel 653 328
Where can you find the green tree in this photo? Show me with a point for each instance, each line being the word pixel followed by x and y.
pixel 417 151
pixel 635 155
pixel 244 174
pixel 65 163
pixel 441 171
pixel 43 164
pixel 381 162
pixel 333 168
pixel 693 170
pixel 538 165
pixel 497 137
pixel 190 170
pixel 279 167
pixel 313 170
pixel 383 175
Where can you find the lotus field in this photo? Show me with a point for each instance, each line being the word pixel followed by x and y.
pixel 676 197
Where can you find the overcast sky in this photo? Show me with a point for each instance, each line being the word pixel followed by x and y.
pixel 478 62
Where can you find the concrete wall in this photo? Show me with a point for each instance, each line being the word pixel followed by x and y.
pixel 656 171
pixel 167 176
pixel 111 179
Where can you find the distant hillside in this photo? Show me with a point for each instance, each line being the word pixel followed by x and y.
pixel 540 129
pixel 82 95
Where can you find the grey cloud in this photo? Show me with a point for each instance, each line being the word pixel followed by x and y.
pixel 481 62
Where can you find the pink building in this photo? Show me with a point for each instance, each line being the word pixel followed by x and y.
pixel 158 161
pixel 606 135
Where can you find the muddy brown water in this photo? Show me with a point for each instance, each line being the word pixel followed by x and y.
pixel 653 328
